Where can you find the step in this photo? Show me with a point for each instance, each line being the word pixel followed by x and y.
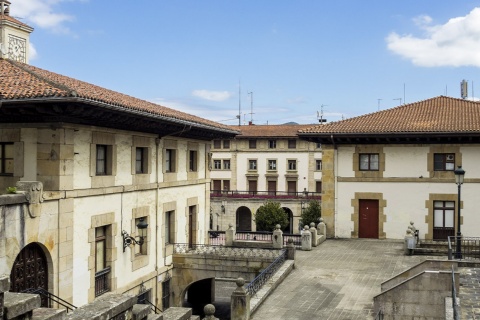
pixel 140 311
pixel 18 304
pixel 195 318
pixel 431 252
pixel 177 313
pixel 48 314
pixel 155 316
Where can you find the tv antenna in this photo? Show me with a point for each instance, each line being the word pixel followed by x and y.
pixel 400 99
pixel 251 106
pixel 379 103
pixel 320 115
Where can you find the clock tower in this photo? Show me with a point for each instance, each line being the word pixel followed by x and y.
pixel 14 35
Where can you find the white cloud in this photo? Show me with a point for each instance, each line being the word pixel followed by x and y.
pixel 212 95
pixel 455 43
pixel 32 52
pixel 41 13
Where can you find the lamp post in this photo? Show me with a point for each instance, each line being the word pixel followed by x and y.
pixel 459 175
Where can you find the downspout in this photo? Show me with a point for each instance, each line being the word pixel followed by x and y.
pixel 335 174
pixel 157 178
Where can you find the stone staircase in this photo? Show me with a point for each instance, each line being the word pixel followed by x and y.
pixel 432 248
pixel 27 306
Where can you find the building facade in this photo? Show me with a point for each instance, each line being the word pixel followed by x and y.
pixel 105 185
pixel 263 162
pixel 385 169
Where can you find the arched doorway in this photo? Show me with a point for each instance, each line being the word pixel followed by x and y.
pixel 243 219
pixel 30 271
pixel 289 226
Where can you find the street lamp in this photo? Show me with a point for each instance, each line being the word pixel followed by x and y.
pixel 459 175
pixel 142 226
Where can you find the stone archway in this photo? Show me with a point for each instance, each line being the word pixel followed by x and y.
pixel 289 227
pixel 243 219
pixel 30 271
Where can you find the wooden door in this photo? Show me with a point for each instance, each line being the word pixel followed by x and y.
pixel 368 219
pixel 292 187
pixel 443 220
pixel 30 271
pixel 272 187
pixel 252 187
pixel 217 186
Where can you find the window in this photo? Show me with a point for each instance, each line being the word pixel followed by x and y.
pixel 101 159
pixel 318 186
pixel 101 269
pixel 292 144
pixel 272 144
pixel 226 164
pixel 292 187
pixel 169 227
pixel 192 160
pixel 272 187
pixel 217 144
pixel 217 164
pixel 170 160
pixel 252 144
pixel 140 249
pixel 443 219
pixel 141 164
pixel 217 185
pixel 444 161
pixel 318 165
pixel 166 294
pixel 252 164
pixel 292 164
pixel 369 161
pixel 226 185
pixel 272 164
pixel 252 186
pixel 226 144
pixel 318 145
pixel 6 158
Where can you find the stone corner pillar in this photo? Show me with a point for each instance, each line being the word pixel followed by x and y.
pixel 313 231
pixel 290 250
pixel 277 238
pixel 240 302
pixel 229 236
pixel 209 311
pixel 321 228
pixel 306 239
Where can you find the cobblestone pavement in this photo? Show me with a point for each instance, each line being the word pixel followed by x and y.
pixel 469 293
pixel 336 280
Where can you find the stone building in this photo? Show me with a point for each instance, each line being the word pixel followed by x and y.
pixel 92 168
pixel 385 169
pixel 263 162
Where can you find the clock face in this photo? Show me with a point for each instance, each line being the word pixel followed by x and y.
pixel 16 49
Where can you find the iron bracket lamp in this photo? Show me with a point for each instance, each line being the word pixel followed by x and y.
pixel 128 240
pixel 224 204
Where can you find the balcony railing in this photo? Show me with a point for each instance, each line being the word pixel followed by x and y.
pixel 218 237
pixel 101 282
pixel 265 194
pixel 466 248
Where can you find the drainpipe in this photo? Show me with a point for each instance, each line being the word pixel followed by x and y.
pixel 335 174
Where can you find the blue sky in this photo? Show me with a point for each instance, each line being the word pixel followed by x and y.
pixel 295 56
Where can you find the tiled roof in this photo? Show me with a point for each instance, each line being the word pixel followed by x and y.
pixel 21 82
pixel 13 20
pixel 436 115
pixel 270 131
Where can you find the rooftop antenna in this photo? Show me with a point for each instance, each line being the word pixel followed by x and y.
pixel 251 107
pixel 379 103
pixel 239 103
pixel 473 93
pixel 464 89
pixel 320 115
pixel 404 100
pixel 400 99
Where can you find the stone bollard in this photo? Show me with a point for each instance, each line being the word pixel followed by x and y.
pixel 209 311
pixel 240 302
pixel 277 238
pixel 322 228
pixel 313 231
pixel 229 236
pixel 409 244
pixel 290 250
pixel 4 287
pixel 306 239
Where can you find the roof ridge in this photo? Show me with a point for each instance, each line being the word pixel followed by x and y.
pixel 72 92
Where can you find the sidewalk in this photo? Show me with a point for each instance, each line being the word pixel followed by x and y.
pixel 337 280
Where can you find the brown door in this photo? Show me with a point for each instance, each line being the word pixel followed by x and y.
pixel 272 187
pixel 30 271
pixel 443 220
pixel 217 186
pixel 252 186
pixel 292 187
pixel 368 219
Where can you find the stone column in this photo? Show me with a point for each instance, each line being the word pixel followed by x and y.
pixel 321 228
pixel 4 287
pixel 209 311
pixel 240 302
pixel 306 239
pixel 277 238
pixel 313 231
pixel 290 250
pixel 229 236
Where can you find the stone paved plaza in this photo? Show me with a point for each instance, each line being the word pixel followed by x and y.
pixel 337 280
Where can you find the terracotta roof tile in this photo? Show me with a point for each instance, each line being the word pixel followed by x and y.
pixel 270 131
pixel 20 81
pixel 13 20
pixel 436 115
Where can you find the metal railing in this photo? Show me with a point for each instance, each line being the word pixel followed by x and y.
pixel 455 306
pixel 218 237
pixel 51 298
pixel 257 283
pixel 254 235
pixel 101 281
pixel 466 248
pixel 265 194
pixel 296 238
pixel 205 249
pixel 153 307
